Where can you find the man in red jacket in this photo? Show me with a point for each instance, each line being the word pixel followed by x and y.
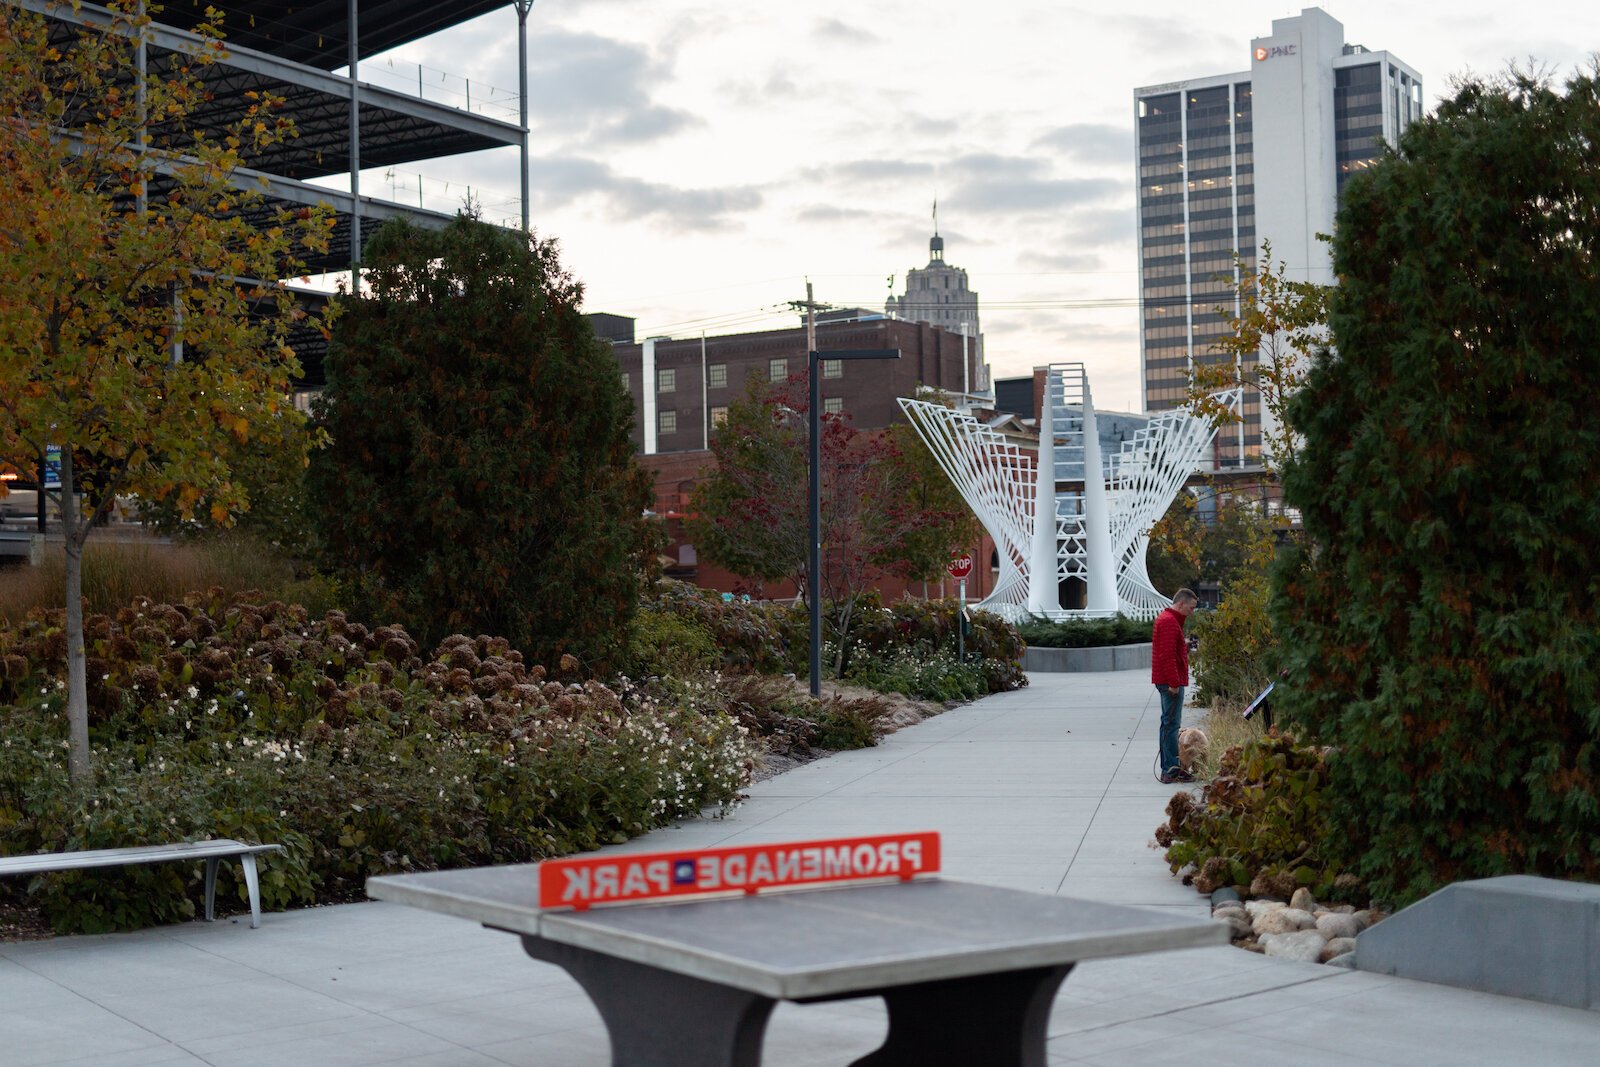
pixel 1169 670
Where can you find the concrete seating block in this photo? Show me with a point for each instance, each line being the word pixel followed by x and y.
pixel 1518 935
pixel 1110 658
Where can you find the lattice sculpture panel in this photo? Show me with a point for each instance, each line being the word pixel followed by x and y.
pixel 996 477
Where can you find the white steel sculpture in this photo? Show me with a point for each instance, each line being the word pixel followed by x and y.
pixel 1097 533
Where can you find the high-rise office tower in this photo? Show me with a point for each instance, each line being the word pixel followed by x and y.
pixel 1231 160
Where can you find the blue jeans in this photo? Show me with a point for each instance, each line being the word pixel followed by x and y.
pixel 1171 719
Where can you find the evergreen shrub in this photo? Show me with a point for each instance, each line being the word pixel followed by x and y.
pixel 1442 626
pixel 480 476
pixel 1085 633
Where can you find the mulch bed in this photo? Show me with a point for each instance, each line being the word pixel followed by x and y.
pixel 23 922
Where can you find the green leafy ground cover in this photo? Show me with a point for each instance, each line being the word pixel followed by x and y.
pixel 362 753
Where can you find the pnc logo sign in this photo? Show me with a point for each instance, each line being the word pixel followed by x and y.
pixel 1265 52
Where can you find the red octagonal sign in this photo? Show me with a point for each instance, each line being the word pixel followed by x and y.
pixel 960 564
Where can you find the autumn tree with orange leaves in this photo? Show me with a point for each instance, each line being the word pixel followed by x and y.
pixel 141 330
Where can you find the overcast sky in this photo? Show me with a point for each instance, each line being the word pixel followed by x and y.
pixel 698 161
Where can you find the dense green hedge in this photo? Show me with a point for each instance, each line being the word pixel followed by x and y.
pixel 1441 628
pixel 1085 633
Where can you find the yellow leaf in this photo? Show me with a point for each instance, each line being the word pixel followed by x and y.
pixel 219 513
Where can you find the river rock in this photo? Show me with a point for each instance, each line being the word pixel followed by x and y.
pixel 1304 945
pixel 1333 926
pixel 1238 924
pixel 1284 921
pixel 1367 917
pixel 1303 900
pixel 1346 960
pixel 1258 908
pixel 1336 947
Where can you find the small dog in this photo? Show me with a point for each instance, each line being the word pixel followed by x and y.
pixel 1192 747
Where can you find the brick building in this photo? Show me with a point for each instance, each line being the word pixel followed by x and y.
pixel 695 381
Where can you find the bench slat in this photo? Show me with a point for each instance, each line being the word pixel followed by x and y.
pixel 116 857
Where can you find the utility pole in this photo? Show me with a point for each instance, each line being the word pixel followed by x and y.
pixel 523 7
pixel 352 30
pixel 811 319
pixel 814 496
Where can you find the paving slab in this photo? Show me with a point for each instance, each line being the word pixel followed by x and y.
pixel 1049 789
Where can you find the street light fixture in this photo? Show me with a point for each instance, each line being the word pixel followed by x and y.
pixel 814 462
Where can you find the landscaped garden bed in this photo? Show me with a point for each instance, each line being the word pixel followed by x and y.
pixel 362 753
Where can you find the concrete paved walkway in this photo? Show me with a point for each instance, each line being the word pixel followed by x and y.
pixel 1048 788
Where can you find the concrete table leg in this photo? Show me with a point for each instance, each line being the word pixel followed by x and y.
pixel 659 1019
pixel 998 1020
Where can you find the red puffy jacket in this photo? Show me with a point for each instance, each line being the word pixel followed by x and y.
pixel 1169 650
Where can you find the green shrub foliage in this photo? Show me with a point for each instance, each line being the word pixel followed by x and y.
pixel 774 638
pixel 1234 644
pixel 1261 824
pixel 481 475
pixel 1443 631
pixel 1085 633
pixel 348 745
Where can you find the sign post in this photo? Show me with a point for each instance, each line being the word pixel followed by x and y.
pixel 959 567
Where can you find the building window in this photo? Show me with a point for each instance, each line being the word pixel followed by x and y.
pixel 666 380
pixel 719 415
pixel 777 370
pixel 833 368
pixel 668 421
pixel 627 383
pixel 833 405
pixel 717 376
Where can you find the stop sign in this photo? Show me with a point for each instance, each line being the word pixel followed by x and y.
pixel 960 564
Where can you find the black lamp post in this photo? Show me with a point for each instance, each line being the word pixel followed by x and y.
pixel 814 560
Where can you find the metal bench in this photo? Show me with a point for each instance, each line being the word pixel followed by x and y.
pixel 210 851
pixel 969 972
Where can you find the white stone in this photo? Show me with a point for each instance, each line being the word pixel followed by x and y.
pixel 1257 908
pixel 1305 945
pixel 1366 917
pixel 1334 925
pixel 1336 947
pixel 1303 900
pixel 1239 925
pixel 1283 921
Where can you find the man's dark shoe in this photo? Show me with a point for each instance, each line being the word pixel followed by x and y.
pixel 1176 775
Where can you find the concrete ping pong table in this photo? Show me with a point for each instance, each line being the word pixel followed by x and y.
pixel 968 972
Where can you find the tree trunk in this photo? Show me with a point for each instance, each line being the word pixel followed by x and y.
pixel 844 637
pixel 77 682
